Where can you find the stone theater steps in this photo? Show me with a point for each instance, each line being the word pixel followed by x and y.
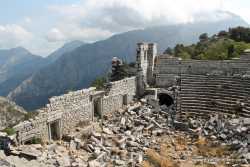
pixel 208 94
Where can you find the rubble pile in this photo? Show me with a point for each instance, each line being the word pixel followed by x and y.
pixel 126 136
pixel 228 130
pixel 129 136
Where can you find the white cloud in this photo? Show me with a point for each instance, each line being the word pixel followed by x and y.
pixel 55 35
pixel 92 20
pixel 73 32
pixel 13 35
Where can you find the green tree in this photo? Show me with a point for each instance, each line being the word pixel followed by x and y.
pixel 99 83
pixel 240 34
pixel 178 49
pixel 225 45
pixel 169 51
pixel 185 56
pixel 203 37
pixel 223 34
pixel 230 51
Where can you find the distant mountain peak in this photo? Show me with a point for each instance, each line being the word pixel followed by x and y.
pixel 20 49
pixel 75 42
pixel 76 69
pixel 67 47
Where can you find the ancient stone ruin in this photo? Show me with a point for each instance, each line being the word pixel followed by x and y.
pixel 203 85
pixel 66 111
pixel 168 99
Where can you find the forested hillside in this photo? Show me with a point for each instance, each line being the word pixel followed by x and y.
pixel 222 46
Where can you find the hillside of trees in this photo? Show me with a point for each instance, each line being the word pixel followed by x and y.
pixel 222 46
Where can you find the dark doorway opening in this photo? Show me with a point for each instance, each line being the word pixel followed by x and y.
pixel 55 130
pixel 97 108
pixel 125 99
pixel 165 99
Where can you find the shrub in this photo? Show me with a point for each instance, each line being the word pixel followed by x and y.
pixel 30 115
pixel 99 83
pixel 9 131
pixel 36 140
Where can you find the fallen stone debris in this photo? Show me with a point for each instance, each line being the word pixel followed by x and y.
pixel 143 135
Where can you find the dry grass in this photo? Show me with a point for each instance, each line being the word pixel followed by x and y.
pixel 154 159
pixel 146 164
pixel 207 149
pixel 170 151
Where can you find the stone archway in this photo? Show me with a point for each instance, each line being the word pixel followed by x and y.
pixel 165 99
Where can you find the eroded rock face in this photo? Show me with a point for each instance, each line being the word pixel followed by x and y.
pixel 10 113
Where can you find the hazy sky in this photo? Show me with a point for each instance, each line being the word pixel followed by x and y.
pixel 44 25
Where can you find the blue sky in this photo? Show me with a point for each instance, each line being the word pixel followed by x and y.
pixel 44 25
pixel 15 10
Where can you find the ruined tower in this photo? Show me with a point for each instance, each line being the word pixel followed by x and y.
pixel 146 53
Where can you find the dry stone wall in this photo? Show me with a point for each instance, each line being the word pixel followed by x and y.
pixel 34 128
pixel 119 90
pixel 69 109
pixel 75 107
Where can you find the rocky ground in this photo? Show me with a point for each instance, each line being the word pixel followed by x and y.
pixel 143 135
pixel 10 113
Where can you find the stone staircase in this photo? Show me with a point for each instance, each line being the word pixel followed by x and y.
pixel 203 95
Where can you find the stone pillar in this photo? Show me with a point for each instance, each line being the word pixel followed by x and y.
pixel 101 107
pixel 156 92
pixel 152 52
pixel 145 60
pixel 140 84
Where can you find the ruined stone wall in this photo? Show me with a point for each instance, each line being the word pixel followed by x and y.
pixel 166 70
pixel 114 99
pixel 69 109
pixel 72 108
pixel 33 128
pixel 205 94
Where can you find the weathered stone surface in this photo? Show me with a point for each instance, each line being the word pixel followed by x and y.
pixel 74 108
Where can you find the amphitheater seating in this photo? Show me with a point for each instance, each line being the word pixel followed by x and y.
pixel 201 94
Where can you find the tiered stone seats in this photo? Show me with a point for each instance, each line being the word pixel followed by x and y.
pixel 202 94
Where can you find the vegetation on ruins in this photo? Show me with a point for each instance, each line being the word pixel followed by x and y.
pixel 35 140
pixel 31 115
pixel 99 83
pixel 120 72
pixel 9 131
pixel 222 46
pixel 123 71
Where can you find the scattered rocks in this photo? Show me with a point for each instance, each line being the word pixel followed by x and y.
pixel 126 135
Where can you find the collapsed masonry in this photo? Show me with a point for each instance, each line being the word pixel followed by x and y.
pixel 201 87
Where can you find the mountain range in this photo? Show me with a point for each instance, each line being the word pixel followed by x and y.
pixel 16 65
pixel 72 68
